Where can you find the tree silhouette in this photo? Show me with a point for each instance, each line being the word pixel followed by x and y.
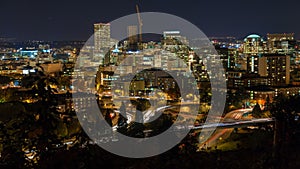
pixel 38 129
pixel 256 112
pixel 122 120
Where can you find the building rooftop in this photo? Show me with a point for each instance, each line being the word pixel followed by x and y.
pixel 253 36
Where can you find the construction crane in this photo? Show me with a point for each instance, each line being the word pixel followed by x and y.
pixel 140 23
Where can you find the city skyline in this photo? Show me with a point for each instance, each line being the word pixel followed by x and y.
pixel 68 21
pixel 212 84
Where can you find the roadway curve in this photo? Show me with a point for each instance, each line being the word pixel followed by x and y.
pixel 234 117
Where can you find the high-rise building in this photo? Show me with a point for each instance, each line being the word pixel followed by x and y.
pixel 253 64
pixel 281 43
pixel 229 57
pixel 277 68
pixel 132 34
pixel 102 39
pixel 274 67
pixel 170 36
pixel 254 45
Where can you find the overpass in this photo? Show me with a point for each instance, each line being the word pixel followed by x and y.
pixel 235 119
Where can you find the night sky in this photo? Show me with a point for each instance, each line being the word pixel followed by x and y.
pixel 73 20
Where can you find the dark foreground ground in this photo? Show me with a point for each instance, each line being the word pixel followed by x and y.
pixel 261 154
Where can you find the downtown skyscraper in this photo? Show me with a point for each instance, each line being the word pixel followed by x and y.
pixel 102 38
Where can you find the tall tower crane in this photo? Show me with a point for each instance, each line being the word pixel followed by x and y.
pixel 140 23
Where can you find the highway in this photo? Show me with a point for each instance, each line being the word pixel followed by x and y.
pixel 239 114
pixel 234 119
